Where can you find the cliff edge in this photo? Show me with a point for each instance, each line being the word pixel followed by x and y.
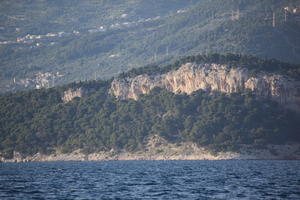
pixel 212 77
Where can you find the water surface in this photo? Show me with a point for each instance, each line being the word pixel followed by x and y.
pixel 151 180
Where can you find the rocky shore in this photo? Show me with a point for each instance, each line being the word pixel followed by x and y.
pixel 159 149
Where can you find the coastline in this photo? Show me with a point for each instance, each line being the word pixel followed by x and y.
pixel 159 149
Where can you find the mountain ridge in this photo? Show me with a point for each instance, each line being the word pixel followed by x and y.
pixel 134 33
pixel 191 77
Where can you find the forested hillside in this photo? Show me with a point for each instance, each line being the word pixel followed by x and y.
pixel 47 43
pixel 39 121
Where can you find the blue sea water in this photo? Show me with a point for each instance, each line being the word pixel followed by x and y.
pixel 151 180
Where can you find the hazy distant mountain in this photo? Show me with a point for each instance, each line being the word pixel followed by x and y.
pixel 45 43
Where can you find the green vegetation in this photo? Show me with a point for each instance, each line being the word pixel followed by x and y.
pixel 204 27
pixel 253 64
pixel 38 120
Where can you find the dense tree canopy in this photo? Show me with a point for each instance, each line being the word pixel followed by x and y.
pixel 38 121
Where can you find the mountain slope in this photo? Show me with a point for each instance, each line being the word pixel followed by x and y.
pixel 85 116
pixel 91 40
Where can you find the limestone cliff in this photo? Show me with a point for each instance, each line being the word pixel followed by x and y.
pixel 212 77
pixel 70 94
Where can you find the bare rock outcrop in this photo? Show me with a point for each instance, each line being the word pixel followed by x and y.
pixel 212 77
pixel 70 94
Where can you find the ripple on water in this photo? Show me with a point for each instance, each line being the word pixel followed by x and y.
pixel 151 180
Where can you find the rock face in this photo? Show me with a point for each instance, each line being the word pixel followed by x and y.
pixel 212 77
pixel 70 94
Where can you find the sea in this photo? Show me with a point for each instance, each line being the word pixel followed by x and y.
pixel 226 179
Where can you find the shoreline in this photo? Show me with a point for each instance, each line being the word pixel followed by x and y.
pixel 185 151
pixel 63 161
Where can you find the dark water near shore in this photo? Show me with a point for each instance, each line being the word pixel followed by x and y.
pixel 151 180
